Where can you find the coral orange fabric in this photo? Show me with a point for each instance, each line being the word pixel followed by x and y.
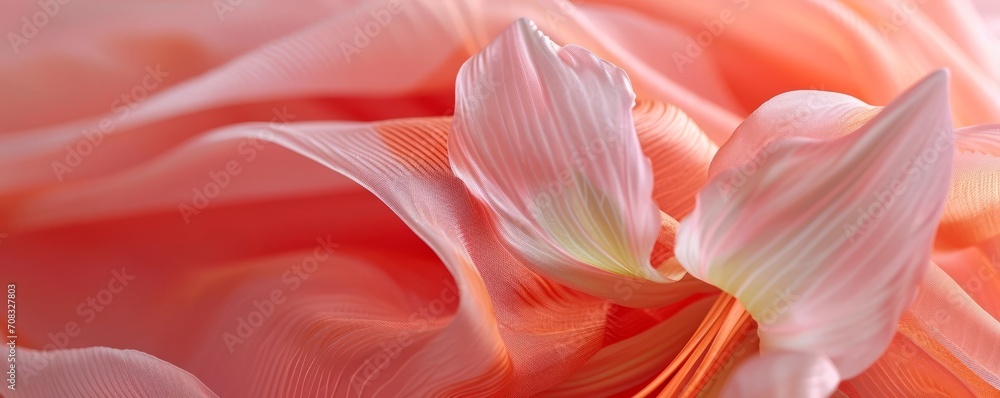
pixel 501 198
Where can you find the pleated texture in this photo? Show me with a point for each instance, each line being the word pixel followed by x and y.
pixel 413 292
pixel 789 242
pixel 349 318
pixel 544 136
pixel 100 372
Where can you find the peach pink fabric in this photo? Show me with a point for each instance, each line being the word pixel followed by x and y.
pixel 371 198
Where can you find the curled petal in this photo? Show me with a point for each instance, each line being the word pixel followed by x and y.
pixel 543 135
pixel 812 114
pixel 826 242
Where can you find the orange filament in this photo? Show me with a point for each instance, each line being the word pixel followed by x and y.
pixel 725 327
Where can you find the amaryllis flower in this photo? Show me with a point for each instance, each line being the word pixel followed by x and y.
pixel 306 217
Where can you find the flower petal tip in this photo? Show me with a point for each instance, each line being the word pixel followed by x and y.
pixel 543 135
pixel 825 236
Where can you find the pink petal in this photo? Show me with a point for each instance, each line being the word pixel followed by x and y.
pixel 811 114
pixel 544 136
pixel 790 244
pixel 783 374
